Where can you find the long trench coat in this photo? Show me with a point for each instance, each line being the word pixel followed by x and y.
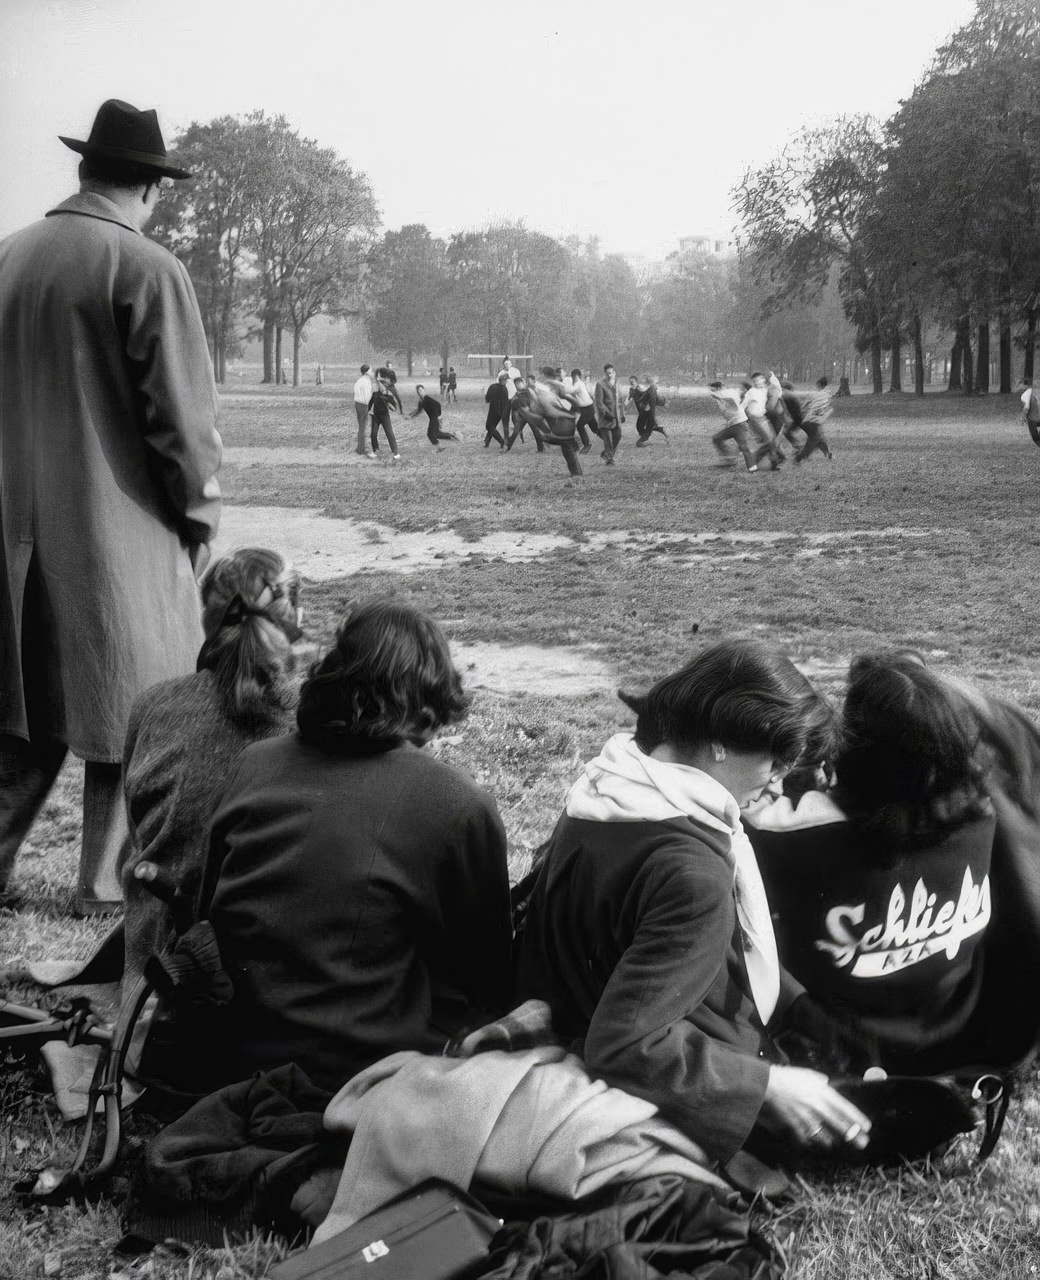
pixel 108 457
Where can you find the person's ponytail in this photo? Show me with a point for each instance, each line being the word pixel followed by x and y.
pixel 249 617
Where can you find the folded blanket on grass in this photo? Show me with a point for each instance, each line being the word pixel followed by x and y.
pixel 524 1123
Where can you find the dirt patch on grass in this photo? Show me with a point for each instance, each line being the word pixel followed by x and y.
pixel 562 671
pixel 323 548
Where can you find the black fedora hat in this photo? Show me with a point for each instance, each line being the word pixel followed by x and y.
pixel 127 137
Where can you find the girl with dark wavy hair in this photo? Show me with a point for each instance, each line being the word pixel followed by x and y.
pixel 357 885
pixel 648 931
pixel 907 897
pixel 185 734
pixel 388 679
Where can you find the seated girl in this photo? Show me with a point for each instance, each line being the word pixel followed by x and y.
pixel 185 734
pixel 357 886
pixel 648 931
pixel 909 914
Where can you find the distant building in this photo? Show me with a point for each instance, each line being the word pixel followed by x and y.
pixel 718 245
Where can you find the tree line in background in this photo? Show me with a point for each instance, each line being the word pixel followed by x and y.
pixel 930 220
pixel 859 237
pixel 274 230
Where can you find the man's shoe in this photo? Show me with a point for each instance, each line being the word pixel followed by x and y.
pixel 397 457
pixel 585 447
pixel 752 470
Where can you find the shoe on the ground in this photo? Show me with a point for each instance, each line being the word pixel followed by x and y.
pixel 752 470
pixel 641 444
pixel 397 457
pixel 585 448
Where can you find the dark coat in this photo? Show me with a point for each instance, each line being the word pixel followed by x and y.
pixel 497 397
pixel 632 939
pixel 361 905
pixel 608 407
pixel 180 747
pixel 108 456
pixel 897 946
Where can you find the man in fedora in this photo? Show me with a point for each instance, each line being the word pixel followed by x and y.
pixel 108 496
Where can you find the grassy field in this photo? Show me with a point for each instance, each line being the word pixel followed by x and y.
pixel 923 532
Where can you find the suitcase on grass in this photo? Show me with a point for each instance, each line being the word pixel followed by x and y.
pixel 433 1232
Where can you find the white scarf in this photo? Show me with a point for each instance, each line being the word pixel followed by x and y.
pixel 624 785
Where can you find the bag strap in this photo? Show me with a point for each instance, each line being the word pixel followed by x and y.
pixel 994 1092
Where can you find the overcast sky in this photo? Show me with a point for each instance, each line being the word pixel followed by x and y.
pixel 626 119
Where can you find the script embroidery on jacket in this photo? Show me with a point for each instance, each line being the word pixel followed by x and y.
pixel 908 935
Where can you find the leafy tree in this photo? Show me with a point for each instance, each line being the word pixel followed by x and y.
pixel 328 221
pixel 272 227
pixel 404 286
pixel 607 305
pixel 203 222
pixel 957 209
pixel 807 210
pixel 693 319
pixel 514 289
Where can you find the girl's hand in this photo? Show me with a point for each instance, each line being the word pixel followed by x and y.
pixel 800 1104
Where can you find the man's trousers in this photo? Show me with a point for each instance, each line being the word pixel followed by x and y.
pixel 27 774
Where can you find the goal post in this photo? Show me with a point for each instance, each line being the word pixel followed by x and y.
pixel 491 356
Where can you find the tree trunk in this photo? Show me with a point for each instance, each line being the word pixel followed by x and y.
pixel 279 377
pixel 1005 355
pixel 297 339
pixel 982 362
pixel 875 363
pixel 408 360
pixel 895 381
pixel 268 351
pixel 956 364
pixel 968 373
pixel 918 344
pixel 1027 367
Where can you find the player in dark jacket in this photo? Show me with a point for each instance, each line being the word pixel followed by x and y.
pixel 432 408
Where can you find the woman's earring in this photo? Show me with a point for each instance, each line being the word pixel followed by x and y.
pixel 719 752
